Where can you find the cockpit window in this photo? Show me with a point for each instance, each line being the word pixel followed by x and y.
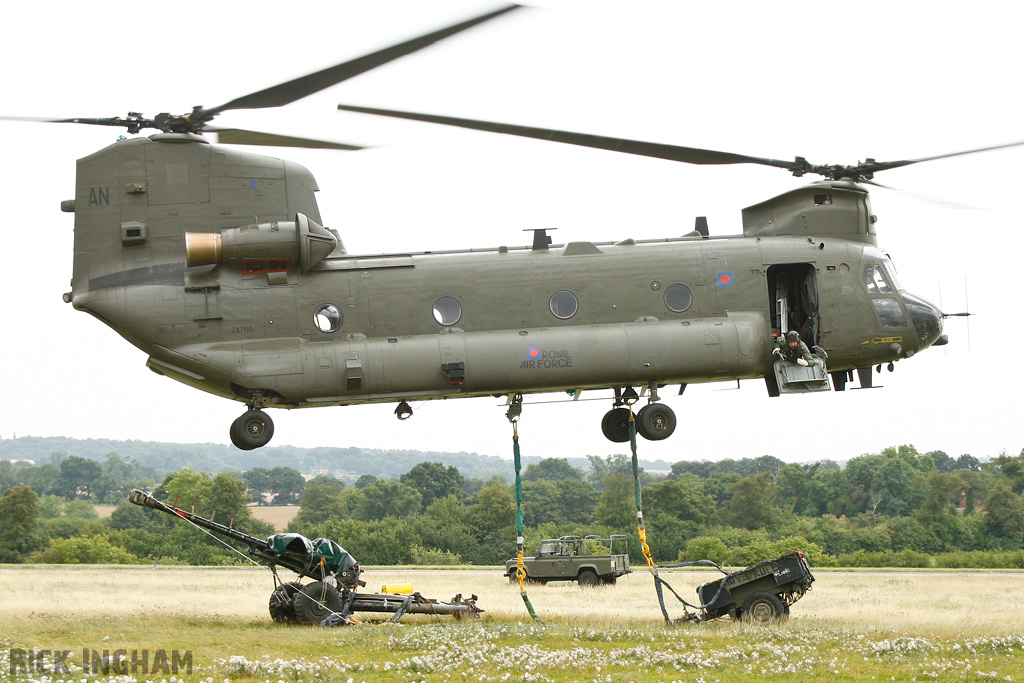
pixel 874 279
pixel 890 270
pixel 890 313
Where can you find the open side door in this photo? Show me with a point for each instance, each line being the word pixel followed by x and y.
pixel 793 297
pixel 794 378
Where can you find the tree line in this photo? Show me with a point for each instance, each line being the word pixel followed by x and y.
pixel 349 461
pixel 898 507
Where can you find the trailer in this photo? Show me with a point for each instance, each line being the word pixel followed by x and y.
pixel 331 596
pixel 761 593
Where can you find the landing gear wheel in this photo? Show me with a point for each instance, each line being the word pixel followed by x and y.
pixel 588 579
pixel 315 602
pixel 655 421
pixel 615 425
pixel 763 608
pixel 253 429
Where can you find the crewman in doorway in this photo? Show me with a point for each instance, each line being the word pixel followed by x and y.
pixel 791 348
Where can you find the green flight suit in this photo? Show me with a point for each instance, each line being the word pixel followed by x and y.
pixel 793 353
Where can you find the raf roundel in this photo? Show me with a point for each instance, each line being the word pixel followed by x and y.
pixel 724 279
pixel 533 352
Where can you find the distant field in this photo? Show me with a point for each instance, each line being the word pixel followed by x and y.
pixel 104 511
pixel 860 626
pixel 278 515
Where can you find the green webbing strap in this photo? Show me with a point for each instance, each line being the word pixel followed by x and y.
pixel 641 529
pixel 520 569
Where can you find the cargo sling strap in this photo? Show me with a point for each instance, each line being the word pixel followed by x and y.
pixel 514 411
pixel 659 583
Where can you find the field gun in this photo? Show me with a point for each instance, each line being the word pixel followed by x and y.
pixel 332 595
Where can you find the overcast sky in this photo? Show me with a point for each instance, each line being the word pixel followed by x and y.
pixel 833 82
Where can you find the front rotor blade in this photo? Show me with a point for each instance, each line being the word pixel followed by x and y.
pixel 874 166
pixel 238 136
pixel 934 200
pixel 689 155
pixel 296 89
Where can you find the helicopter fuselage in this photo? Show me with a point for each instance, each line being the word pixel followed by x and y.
pixel 213 263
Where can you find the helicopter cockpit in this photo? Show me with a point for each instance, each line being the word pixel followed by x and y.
pixel 885 291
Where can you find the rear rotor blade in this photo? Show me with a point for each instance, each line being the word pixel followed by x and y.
pixel 689 155
pixel 238 136
pixel 296 89
pixel 111 121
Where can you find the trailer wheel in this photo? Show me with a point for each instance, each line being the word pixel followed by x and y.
pixel 315 602
pixel 588 578
pixel 763 608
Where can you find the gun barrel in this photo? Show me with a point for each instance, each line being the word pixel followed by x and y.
pixel 145 500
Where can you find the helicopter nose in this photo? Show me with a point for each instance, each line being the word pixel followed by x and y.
pixel 927 320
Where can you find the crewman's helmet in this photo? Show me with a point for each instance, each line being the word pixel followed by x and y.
pixel 792 336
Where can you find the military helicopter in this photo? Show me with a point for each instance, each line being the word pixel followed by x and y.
pixel 215 264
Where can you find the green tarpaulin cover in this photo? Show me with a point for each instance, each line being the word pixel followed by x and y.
pixel 335 557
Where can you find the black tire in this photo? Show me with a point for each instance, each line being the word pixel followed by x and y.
pixel 315 602
pixel 282 605
pixel 763 608
pixel 588 578
pixel 291 588
pixel 656 421
pixel 615 425
pixel 253 429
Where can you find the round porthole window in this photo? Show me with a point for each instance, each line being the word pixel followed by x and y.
pixel 328 318
pixel 447 310
pixel 678 297
pixel 563 304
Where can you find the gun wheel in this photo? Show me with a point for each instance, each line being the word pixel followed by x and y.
pixel 317 601
pixel 282 605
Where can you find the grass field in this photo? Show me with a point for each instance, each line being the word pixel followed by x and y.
pixel 859 626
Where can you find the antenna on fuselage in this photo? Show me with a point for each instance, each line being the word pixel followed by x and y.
pixel 700 225
pixel 541 239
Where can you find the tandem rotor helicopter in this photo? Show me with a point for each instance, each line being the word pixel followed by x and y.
pixel 214 262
